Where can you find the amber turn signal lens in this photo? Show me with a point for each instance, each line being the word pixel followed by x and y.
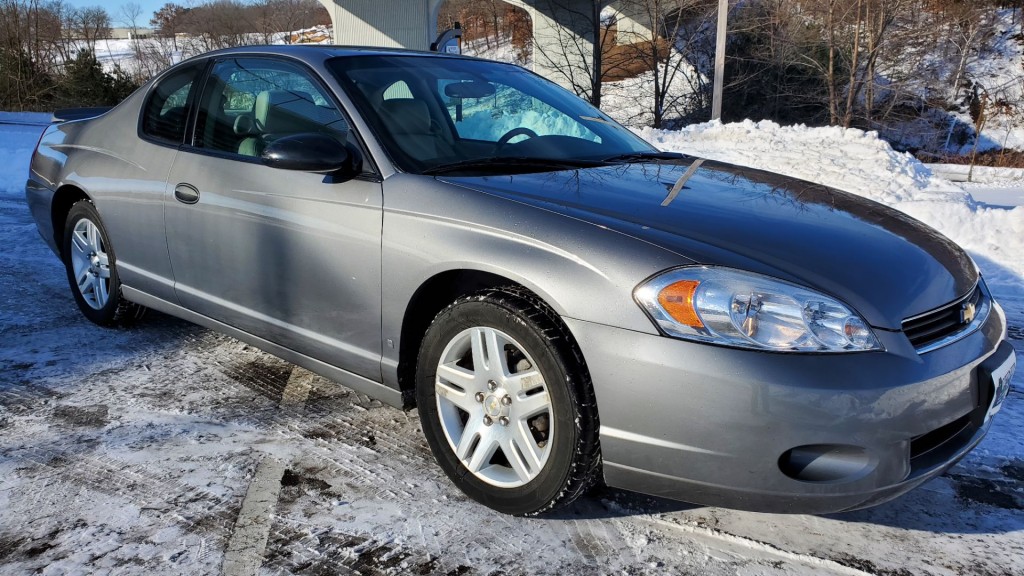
pixel 677 300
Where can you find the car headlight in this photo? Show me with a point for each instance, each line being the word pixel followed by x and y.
pixel 734 308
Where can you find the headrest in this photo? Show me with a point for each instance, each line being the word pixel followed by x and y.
pixel 406 116
pixel 285 111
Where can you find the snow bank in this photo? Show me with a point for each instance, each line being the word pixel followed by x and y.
pixel 846 158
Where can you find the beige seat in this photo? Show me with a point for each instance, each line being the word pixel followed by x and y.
pixel 276 113
pixel 408 121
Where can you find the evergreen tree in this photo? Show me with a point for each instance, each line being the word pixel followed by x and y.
pixel 85 83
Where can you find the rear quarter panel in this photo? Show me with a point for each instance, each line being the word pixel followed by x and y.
pixel 125 177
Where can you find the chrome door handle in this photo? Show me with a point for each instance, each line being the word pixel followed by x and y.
pixel 186 193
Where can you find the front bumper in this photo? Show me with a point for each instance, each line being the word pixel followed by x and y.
pixel 711 425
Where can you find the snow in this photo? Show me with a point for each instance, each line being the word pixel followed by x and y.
pixel 858 160
pixel 20 134
pixel 631 101
pixel 998 187
pixel 132 450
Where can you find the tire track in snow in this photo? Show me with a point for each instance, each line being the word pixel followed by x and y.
pixel 754 549
pixel 141 491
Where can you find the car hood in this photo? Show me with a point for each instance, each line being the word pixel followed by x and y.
pixel 882 262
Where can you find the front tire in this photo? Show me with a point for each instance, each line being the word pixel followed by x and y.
pixel 506 403
pixel 92 268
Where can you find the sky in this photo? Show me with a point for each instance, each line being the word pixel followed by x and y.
pixel 117 19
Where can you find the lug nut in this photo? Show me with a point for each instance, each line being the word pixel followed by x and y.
pixel 488 420
pixel 479 397
pixel 503 420
pixel 492 385
pixel 506 400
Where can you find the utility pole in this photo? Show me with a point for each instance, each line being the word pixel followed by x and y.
pixel 716 97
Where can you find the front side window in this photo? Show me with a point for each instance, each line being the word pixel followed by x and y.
pixel 165 114
pixel 434 114
pixel 249 102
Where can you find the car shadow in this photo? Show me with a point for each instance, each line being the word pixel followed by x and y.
pixel 958 502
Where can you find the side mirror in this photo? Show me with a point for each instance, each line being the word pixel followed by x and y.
pixel 311 152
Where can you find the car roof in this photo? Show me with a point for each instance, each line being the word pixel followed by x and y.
pixel 320 52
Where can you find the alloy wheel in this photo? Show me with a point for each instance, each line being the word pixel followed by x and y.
pixel 91 264
pixel 494 407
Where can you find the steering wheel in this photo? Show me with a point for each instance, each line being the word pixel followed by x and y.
pixel 503 141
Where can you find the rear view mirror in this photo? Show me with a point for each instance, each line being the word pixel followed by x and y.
pixel 470 89
pixel 311 152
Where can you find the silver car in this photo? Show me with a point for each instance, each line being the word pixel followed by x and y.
pixel 562 302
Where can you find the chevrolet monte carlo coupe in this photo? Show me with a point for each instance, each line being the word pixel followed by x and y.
pixel 563 303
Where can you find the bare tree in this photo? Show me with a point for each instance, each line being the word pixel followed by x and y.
pixel 219 24
pixel 965 32
pixel 489 23
pixel 130 14
pixel 168 21
pixel 47 56
pixel 273 17
pixel 851 61
pixel 570 42
pixel 91 24
pixel 667 39
pixel 26 57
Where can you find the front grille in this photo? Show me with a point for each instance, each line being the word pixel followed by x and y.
pixel 938 324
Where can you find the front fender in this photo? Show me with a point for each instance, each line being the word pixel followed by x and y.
pixel 583 271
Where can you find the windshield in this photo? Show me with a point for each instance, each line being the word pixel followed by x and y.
pixel 454 115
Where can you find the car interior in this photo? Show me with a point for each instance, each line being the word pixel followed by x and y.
pixel 243 109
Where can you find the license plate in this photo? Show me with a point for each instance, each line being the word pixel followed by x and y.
pixel 1001 377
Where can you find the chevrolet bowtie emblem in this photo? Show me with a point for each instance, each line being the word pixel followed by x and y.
pixel 967 312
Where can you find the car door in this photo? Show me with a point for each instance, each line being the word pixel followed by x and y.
pixel 125 170
pixel 292 257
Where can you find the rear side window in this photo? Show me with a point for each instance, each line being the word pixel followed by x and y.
pixel 166 111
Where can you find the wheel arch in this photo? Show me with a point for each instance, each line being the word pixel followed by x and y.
pixel 432 296
pixel 63 199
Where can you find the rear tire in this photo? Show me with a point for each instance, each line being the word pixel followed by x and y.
pixel 506 403
pixel 92 268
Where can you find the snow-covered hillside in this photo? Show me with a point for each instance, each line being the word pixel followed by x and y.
pixel 943 122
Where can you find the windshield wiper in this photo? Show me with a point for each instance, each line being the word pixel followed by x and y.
pixel 644 156
pixel 497 163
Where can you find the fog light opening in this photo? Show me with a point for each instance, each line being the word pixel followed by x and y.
pixel 826 463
